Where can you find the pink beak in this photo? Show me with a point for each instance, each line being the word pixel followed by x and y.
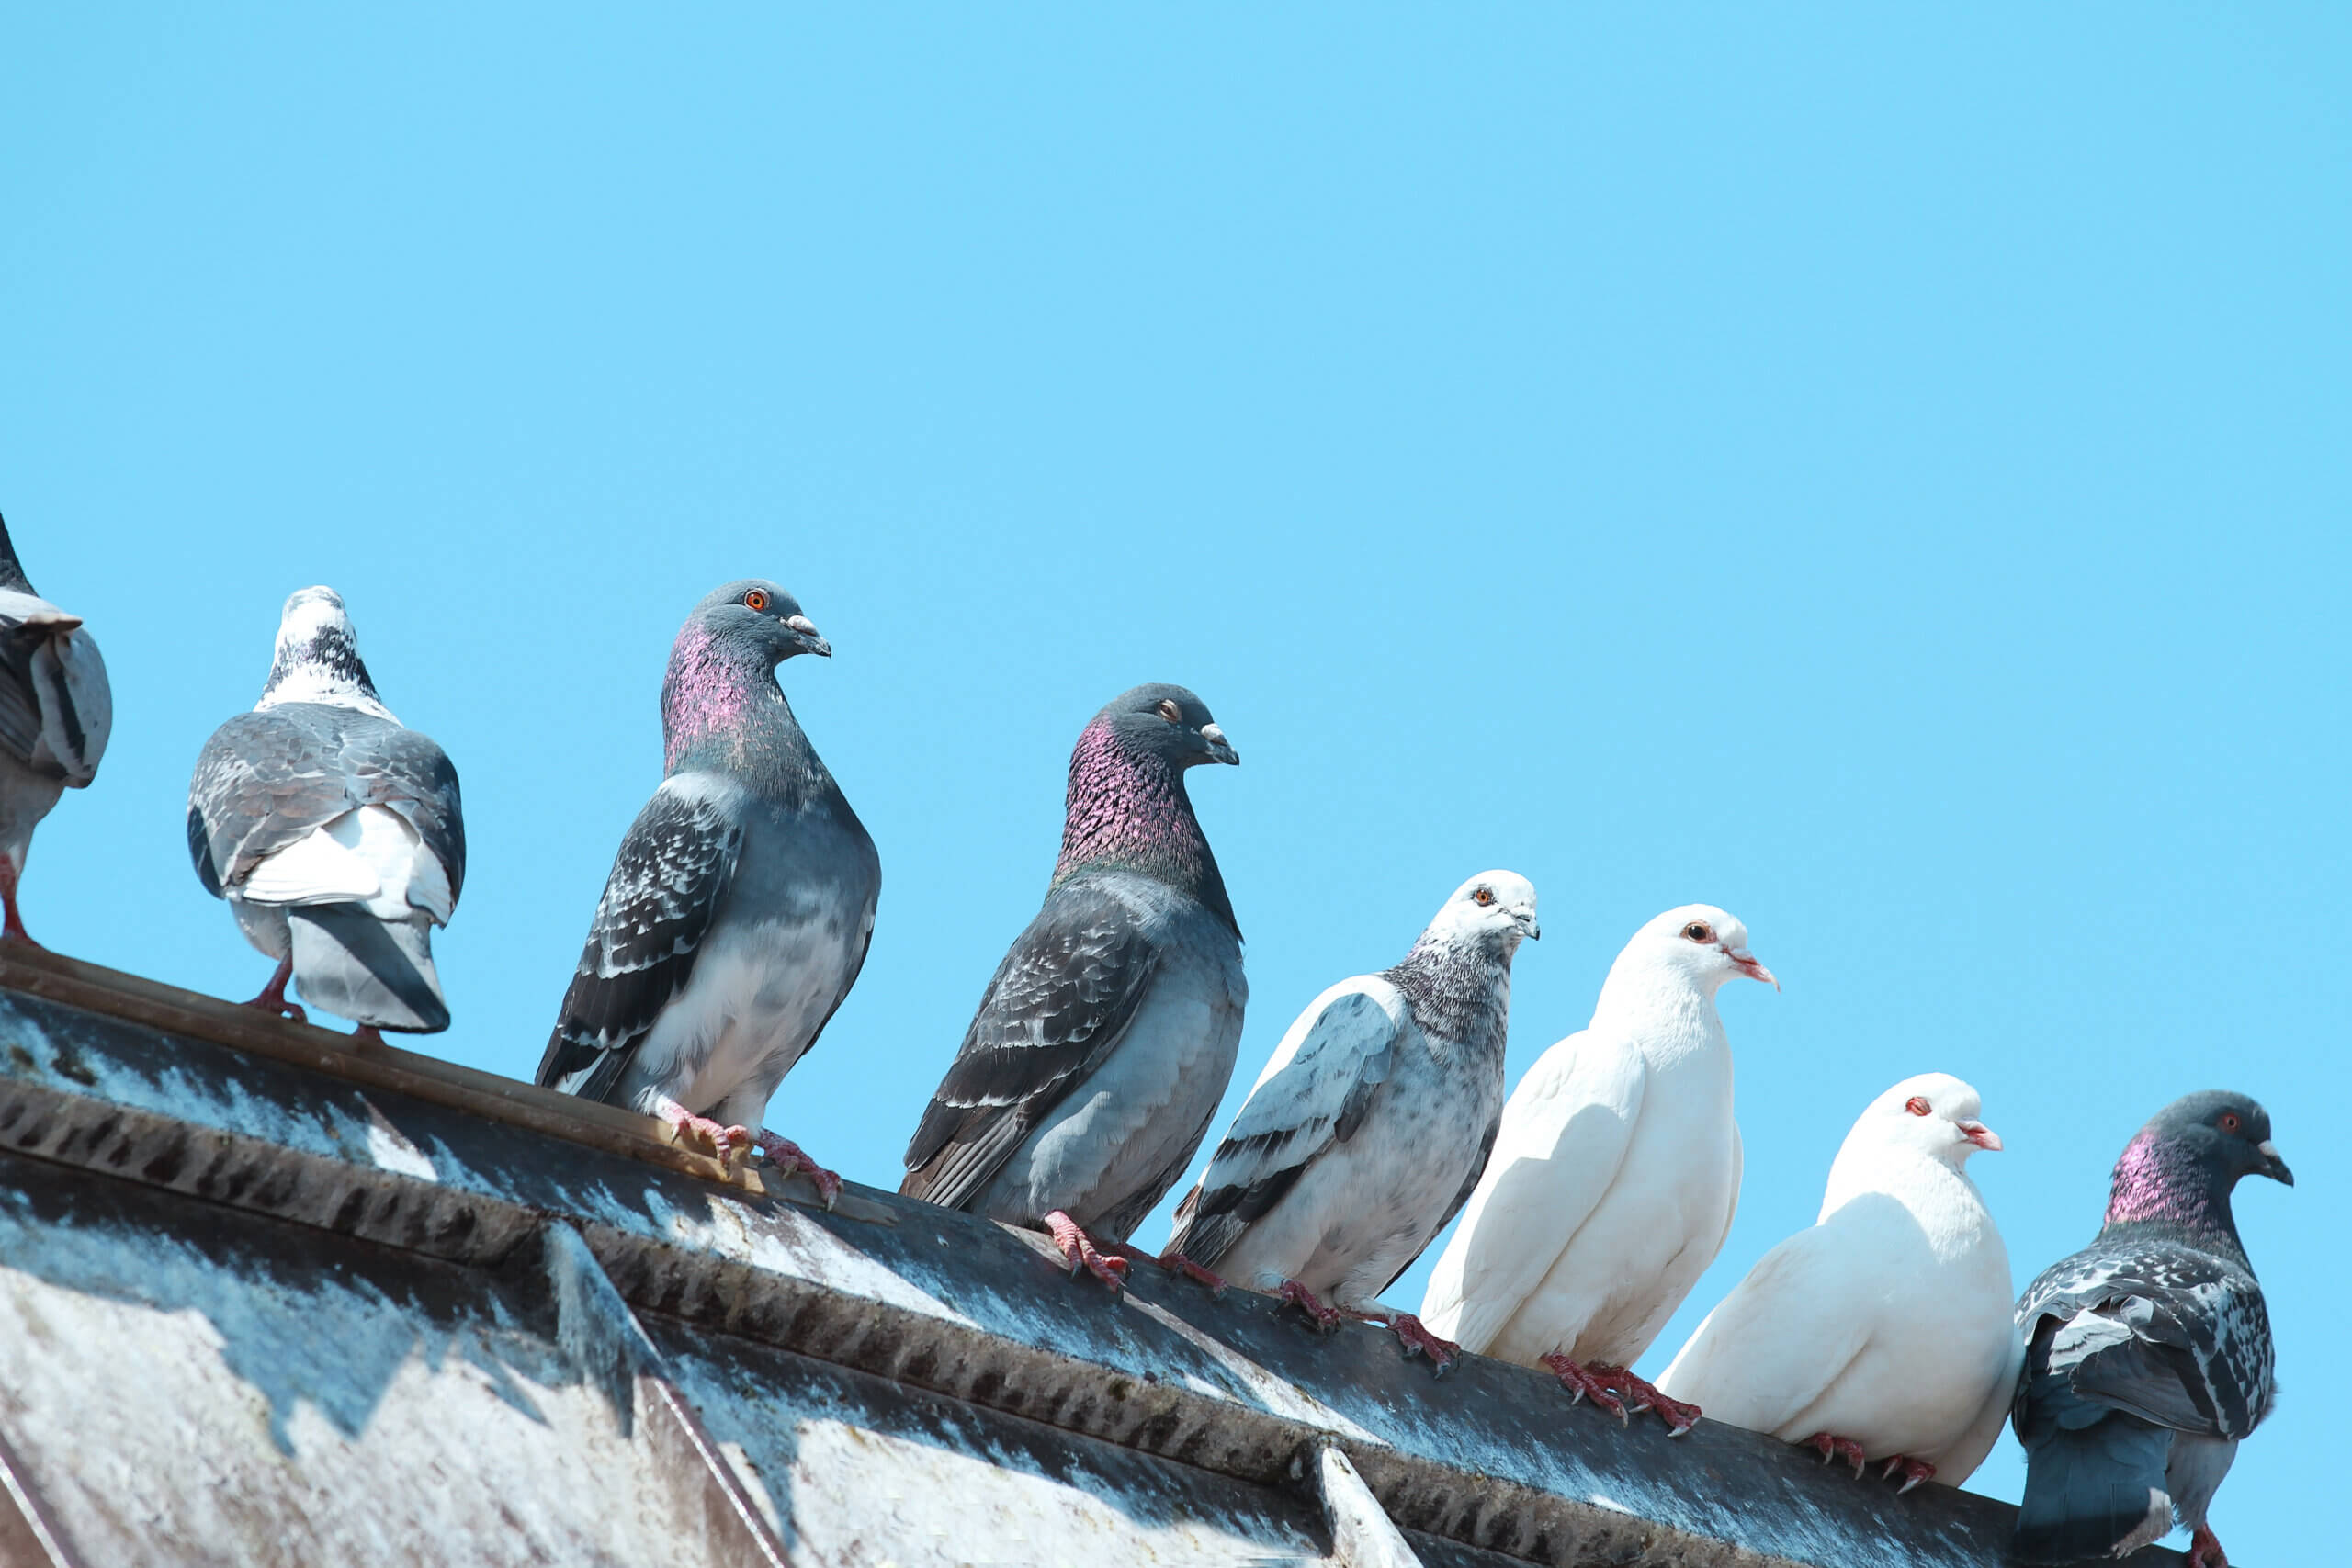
pixel 1746 961
pixel 1983 1137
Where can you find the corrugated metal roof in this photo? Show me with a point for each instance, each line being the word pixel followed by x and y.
pixel 269 1298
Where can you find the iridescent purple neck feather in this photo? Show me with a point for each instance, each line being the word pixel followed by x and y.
pixel 723 712
pixel 1127 811
pixel 2161 1184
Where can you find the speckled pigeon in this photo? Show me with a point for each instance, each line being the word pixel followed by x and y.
pixel 1614 1179
pixel 1882 1334
pixel 335 833
pixel 56 711
pixel 739 907
pixel 1106 1036
pixel 2148 1353
pixel 1371 1123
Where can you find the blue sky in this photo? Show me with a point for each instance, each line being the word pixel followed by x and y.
pixel 1885 474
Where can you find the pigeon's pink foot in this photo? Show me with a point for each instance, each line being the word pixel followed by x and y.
pixel 725 1143
pixel 367 1035
pixel 788 1157
pixel 1678 1417
pixel 1913 1471
pixel 2205 1550
pixel 1080 1248
pixel 1830 1448
pixel 1584 1383
pixel 1419 1341
pixel 273 1000
pixel 12 924
pixel 1177 1263
pixel 1326 1318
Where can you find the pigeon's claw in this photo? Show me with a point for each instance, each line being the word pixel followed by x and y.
pixel 1829 1448
pixel 1326 1318
pixel 1080 1249
pixel 1419 1341
pixel 1177 1263
pixel 1913 1471
pixel 1585 1382
pixel 2205 1550
pixel 789 1157
pixel 273 995
pixel 725 1143
pixel 1642 1395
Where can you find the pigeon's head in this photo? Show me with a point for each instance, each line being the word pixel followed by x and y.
pixel 1934 1114
pixel 317 659
pixel 1700 945
pixel 2227 1134
pixel 1164 722
pixel 1494 910
pixel 757 618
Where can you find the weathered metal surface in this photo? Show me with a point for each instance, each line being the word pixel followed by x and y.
pixel 1150 1389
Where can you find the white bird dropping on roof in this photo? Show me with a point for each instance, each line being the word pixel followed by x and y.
pixel 1371 1123
pixel 335 832
pixel 56 711
pixel 1883 1333
pixel 1614 1178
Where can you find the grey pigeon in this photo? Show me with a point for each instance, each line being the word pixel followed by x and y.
pixel 333 832
pixel 1371 1123
pixel 56 711
pixel 1107 1037
pixel 739 907
pixel 2148 1353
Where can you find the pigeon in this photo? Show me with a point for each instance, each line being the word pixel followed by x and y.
pixel 740 907
pixel 1107 1037
pixel 1614 1179
pixel 1883 1332
pixel 2148 1352
pixel 335 832
pixel 1371 1123
pixel 56 711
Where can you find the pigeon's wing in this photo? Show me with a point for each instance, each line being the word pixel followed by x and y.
pixel 1315 1093
pixel 1057 1006
pixel 1780 1341
pixel 1469 1185
pixel 56 709
pixel 674 869
pixel 2172 1335
pixel 1564 1137
pixel 1967 1452
pixel 268 784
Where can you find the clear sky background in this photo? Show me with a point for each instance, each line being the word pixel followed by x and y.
pixel 1888 476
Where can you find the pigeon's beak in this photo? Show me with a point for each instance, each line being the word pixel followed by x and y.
pixel 2273 1166
pixel 1527 923
pixel 1746 961
pixel 1220 748
pixel 1983 1137
pixel 806 631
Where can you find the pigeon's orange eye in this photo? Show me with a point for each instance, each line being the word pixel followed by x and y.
pixel 1483 897
pixel 1915 1105
pixel 2229 1123
pixel 1699 930
pixel 755 599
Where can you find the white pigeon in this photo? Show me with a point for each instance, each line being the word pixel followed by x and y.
pixel 1371 1123
pixel 1614 1177
pixel 1883 1332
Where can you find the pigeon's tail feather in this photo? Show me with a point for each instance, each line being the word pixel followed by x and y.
pixel 2095 1491
pixel 368 970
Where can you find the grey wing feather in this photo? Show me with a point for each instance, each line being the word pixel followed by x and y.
pixel 56 707
pixel 1469 1185
pixel 1318 1098
pixel 672 873
pixel 1058 1006
pixel 266 780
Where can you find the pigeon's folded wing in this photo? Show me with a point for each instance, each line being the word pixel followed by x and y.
pixel 1783 1338
pixel 1315 1092
pixel 1058 1005
pixel 1564 1137
pixel 1960 1460
pixel 56 709
pixel 2169 1353
pixel 673 868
